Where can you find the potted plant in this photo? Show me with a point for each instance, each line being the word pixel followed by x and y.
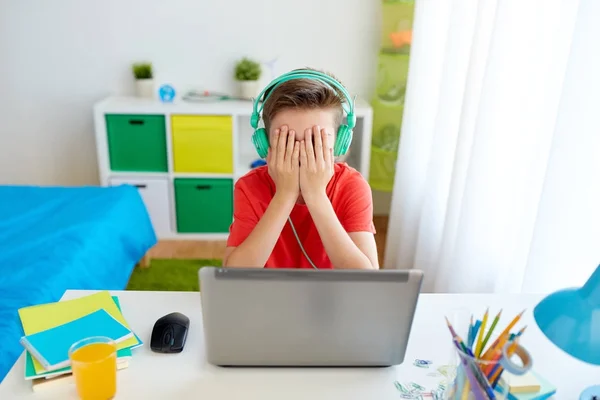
pixel 247 73
pixel 143 79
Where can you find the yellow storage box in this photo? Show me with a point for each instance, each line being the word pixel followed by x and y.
pixel 202 143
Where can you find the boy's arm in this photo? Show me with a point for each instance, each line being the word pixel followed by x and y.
pixel 354 250
pixel 256 249
pixel 282 161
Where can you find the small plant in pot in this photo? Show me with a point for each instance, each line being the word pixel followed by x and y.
pixel 144 82
pixel 247 73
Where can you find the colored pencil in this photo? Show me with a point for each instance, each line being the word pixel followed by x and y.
pixel 470 335
pixel 512 348
pixel 494 323
pixel 475 331
pixel 481 333
pixel 503 336
pixel 497 380
pixel 460 382
pixel 494 362
pixel 492 374
pixel 466 389
pixel 519 333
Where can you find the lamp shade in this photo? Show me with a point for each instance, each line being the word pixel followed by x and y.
pixel 570 319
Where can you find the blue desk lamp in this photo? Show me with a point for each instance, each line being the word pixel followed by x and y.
pixel 570 319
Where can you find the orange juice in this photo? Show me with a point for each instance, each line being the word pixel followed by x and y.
pixel 94 364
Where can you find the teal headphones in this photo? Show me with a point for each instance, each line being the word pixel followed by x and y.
pixel 260 138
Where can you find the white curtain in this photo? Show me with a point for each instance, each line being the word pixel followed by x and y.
pixel 497 185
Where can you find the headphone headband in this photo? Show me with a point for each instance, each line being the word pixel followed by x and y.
pixel 303 74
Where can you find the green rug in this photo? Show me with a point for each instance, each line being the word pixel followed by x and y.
pixel 169 275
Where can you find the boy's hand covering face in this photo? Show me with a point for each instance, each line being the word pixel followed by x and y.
pixel 283 162
pixel 316 162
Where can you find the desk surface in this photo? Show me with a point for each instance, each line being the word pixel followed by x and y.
pixel 188 376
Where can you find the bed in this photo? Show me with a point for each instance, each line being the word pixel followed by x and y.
pixel 58 238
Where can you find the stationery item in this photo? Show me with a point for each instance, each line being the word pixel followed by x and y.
pixel 123 357
pixel 416 383
pixel 422 363
pixel 506 360
pixel 490 374
pixel 527 383
pixel 494 373
pixel 518 334
pixel 477 390
pixel 94 364
pixel 51 347
pixel 474 334
pixel 46 316
pixel 545 391
pixel 477 381
pixel 494 323
pixel 478 349
pixel 503 336
pixel 470 335
pixel 43 378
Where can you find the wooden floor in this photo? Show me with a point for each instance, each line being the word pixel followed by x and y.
pixel 197 249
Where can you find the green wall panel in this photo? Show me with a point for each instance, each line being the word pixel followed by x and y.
pixel 388 99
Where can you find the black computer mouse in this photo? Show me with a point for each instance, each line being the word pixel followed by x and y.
pixel 169 333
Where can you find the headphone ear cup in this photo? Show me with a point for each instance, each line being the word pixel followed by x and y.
pixel 261 142
pixel 342 141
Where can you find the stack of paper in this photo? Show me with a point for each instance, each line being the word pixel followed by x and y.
pixel 50 330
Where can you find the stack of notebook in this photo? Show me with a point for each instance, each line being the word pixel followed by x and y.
pixel 50 330
pixel 530 386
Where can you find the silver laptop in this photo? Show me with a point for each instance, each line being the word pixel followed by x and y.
pixel 297 317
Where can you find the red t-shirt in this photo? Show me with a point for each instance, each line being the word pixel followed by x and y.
pixel 348 191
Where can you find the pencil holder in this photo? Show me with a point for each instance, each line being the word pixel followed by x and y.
pixel 478 379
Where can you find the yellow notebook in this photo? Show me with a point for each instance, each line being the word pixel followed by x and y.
pixel 46 316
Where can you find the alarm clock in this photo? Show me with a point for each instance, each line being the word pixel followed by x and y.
pixel 166 93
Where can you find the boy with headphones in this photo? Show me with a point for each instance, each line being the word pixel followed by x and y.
pixel 303 209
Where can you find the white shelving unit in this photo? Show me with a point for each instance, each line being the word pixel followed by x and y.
pixel 128 129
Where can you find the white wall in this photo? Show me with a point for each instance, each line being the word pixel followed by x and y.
pixel 57 57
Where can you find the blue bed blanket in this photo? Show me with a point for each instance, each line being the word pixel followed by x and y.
pixel 56 238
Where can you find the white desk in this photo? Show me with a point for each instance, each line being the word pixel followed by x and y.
pixel 188 376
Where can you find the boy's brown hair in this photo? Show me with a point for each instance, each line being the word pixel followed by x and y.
pixel 303 94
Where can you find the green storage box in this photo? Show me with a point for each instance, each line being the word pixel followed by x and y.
pixel 203 205
pixel 137 143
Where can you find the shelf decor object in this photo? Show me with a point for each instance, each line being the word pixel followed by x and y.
pixel 247 75
pixel 144 79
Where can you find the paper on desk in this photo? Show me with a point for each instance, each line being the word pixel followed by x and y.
pixel 423 379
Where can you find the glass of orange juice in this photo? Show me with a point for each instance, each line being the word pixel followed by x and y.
pixel 94 365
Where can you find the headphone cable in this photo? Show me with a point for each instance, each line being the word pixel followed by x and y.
pixel 300 244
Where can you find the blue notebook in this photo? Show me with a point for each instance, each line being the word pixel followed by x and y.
pixel 51 347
